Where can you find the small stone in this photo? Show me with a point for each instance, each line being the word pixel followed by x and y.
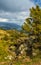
pixel 34 54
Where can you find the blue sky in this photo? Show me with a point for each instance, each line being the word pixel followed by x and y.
pixel 15 11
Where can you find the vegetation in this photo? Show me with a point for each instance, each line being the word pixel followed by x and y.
pixel 33 27
pixel 22 47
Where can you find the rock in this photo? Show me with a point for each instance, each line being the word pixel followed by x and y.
pixel 34 54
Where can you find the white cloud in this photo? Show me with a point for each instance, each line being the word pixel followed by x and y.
pixel 16 16
pixel 3 20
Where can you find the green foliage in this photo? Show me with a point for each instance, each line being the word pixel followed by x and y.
pixel 32 26
pixel 33 23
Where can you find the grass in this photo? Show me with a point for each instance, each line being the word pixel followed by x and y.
pixel 3 51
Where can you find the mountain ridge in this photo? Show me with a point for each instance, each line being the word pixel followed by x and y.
pixel 7 26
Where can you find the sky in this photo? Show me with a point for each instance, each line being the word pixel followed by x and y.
pixel 15 11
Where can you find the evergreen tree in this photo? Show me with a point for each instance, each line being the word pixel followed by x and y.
pixel 32 26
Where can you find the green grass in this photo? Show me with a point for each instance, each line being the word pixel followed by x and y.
pixel 3 51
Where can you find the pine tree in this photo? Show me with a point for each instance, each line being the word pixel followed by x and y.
pixel 32 26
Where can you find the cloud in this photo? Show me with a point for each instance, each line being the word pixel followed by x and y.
pixel 15 11
pixel 3 20
pixel 14 17
pixel 15 5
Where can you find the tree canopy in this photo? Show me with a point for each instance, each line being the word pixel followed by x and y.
pixel 32 26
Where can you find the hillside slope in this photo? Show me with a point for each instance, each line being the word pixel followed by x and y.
pixel 9 38
pixel 8 26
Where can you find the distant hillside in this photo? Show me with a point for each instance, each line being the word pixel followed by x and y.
pixel 8 26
